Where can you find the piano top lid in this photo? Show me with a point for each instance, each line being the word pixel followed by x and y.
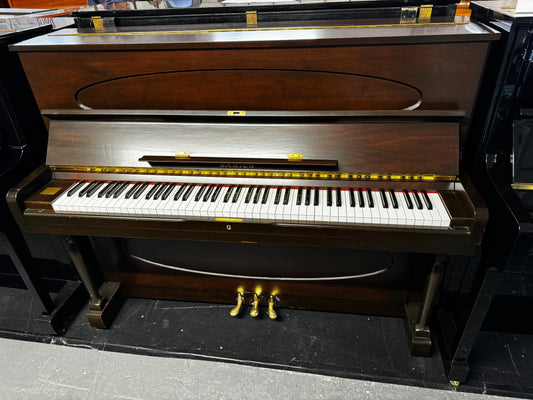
pixel 273 35
pixel 391 142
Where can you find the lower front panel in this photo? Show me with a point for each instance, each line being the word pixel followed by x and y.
pixel 319 278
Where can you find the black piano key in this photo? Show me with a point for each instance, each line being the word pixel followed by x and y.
pixel 75 189
pixel 393 199
pixel 257 194
pixel 208 193
pixel 216 193
pixel 84 191
pixel 198 196
pixel 237 194
pixel 316 201
pixel 299 197
pixel 166 193
pixel 152 191
pixel 361 197
pixel 188 192
pixel 265 195
pixel 94 189
pixel 140 190
pixel 286 196
pixel 160 191
pixel 352 198
pixel 370 198
pixel 418 202
pixel 329 201
pixel 427 200
pixel 339 197
pixel 104 190
pixel 228 193
pixel 180 191
pixel 308 196
pixel 120 190
pixel 249 194
pixel 384 201
pixel 278 196
pixel 111 191
pixel 408 199
pixel 130 192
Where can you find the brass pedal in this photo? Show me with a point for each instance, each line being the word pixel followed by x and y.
pixel 237 309
pixel 255 306
pixel 272 314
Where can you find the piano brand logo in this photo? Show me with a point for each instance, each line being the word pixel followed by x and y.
pixel 236 166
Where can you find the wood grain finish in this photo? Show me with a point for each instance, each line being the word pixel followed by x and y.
pixel 331 69
pixel 247 89
pixel 326 70
pixel 407 145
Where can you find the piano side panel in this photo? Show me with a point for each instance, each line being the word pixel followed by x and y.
pixel 440 75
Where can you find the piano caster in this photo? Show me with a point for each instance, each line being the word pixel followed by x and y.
pixel 255 306
pixel 272 314
pixel 237 309
pixel 454 383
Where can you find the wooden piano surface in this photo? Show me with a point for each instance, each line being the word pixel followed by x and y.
pixel 369 152
pixel 356 267
pixel 282 67
pixel 371 103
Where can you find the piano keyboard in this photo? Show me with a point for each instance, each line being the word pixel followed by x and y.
pixel 263 204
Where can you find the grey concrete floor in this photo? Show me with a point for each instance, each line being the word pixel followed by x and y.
pixel 30 370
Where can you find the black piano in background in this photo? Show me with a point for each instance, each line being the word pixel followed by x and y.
pixel 277 113
pixel 39 263
pixel 498 157
pixel 131 14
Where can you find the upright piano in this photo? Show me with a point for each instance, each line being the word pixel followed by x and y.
pixel 295 164
pixel 39 264
pixel 498 158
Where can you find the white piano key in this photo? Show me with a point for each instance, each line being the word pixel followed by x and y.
pixel 439 206
pixel 343 210
pixel 294 208
pixel 400 211
pixel 350 211
pixel 263 211
pixel 63 198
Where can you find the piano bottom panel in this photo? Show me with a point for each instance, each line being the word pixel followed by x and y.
pixel 344 280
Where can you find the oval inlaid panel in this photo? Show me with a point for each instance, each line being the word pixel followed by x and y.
pixel 257 261
pixel 250 89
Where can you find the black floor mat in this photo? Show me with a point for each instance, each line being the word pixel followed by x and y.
pixel 344 345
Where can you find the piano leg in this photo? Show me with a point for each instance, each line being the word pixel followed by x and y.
pixel 418 313
pixel 105 302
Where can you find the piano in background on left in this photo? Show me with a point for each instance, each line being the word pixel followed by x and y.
pixel 38 264
pixel 286 164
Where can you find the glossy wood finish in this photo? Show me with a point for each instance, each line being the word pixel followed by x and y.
pixel 358 143
pixel 316 69
pixel 299 70
pixel 404 145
